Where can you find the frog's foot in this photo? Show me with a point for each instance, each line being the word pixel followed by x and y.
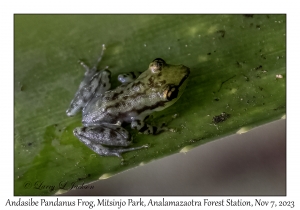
pixel 111 135
pixel 128 77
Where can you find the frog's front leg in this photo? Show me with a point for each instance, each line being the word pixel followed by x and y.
pixel 142 127
pixel 112 135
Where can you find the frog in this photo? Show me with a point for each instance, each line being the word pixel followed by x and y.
pixel 106 111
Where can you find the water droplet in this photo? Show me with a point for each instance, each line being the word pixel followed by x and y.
pixel 169 48
pixel 145 45
pixel 186 45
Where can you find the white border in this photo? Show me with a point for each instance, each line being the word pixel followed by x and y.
pixel 8 8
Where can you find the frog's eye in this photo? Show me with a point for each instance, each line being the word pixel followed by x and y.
pixel 159 60
pixel 156 65
pixel 171 92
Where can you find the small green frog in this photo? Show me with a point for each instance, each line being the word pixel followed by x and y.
pixel 104 111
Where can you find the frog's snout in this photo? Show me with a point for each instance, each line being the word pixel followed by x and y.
pixel 185 69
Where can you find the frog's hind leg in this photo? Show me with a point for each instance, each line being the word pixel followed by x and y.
pixel 111 135
pixel 128 77
pixel 94 84
pixel 109 151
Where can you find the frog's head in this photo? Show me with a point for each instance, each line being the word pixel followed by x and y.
pixel 172 79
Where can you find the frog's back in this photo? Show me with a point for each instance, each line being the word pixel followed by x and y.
pixel 124 103
pixel 155 89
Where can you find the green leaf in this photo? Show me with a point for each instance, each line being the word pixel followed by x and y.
pixel 237 82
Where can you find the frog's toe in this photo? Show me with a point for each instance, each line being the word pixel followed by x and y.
pixel 117 155
pixel 69 113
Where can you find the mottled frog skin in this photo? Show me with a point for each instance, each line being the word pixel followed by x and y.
pixel 105 111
